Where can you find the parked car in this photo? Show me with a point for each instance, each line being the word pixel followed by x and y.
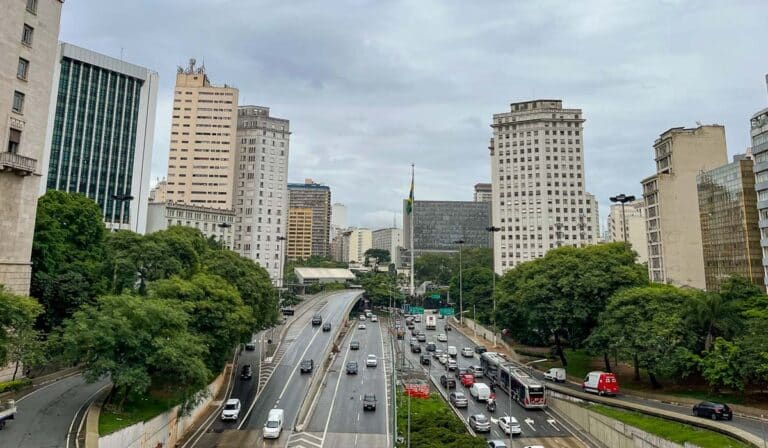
pixel 467 352
pixel 480 391
pixel 431 347
pixel 477 371
pixel 458 399
pixel 510 425
pixel 317 320
pixel 467 380
pixel 601 383
pixel 424 360
pixel 354 345
pixel 480 349
pixel 251 346
pixel 307 365
pixel 246 372
pixel 231 409
pixel 327 326
pixel 352 368
pixel 369 402
pixel 448 382
pixel 556 374
pixel 480 423
pixel 715 411
pixel 371 361
pixel 442 337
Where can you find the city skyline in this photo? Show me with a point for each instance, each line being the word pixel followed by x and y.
pixel 401 99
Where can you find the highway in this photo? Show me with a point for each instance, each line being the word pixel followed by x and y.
pixel 339 418
pixel 538 426
pixel 285 386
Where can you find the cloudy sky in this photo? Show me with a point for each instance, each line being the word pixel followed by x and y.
pixel 371 86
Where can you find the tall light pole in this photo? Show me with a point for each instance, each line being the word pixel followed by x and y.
pixel 461 284
pixel 493 230
pixel 223 226
pixel 623 199
pixel 124 198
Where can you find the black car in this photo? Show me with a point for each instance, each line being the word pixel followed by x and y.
pixel 352 368
pixel 251 346
pixel 354 345
pixel 431 346
pixel 369 402
pixel 307 365
pixel 448 382
pixel 327 326
pixel 461 371
pixel 246 372
pixel 480 349
pixel 415 349
pixel 715 411
pixel 424 360
pixel 317 320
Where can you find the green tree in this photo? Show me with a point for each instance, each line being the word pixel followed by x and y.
pixel 139 343
pixel 722 366
pixel 380 287
pixel 712 315
pixel 67 255
pixel 19 340
pixel 382 256
pixel 477 286
pixel 434 267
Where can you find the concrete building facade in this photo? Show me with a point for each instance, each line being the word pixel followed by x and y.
pixel 29 33
pixel 212 222
pixel 438 224
pixel 261 194
pixel 671 203
pixel 100 133
pixel 759 133
pixel 159 193
pixel 201 161
pixel 356 242
pixel 339 221
pixel 483 193
pixel 633 227
pixel 539 197
pixel 299 244
pixel 389 239
pixel 730 234
pixel 317 197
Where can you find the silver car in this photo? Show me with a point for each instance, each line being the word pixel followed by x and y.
pixel 480 423
pixel 458 399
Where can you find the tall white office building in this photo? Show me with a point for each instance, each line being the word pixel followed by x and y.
pixel 261 188
pixel 539 198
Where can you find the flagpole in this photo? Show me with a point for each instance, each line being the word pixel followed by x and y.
pixel 413 216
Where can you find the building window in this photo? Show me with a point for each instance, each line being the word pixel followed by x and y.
pixel 26 35
pixel 23 69
pixel 32 6
pixel 14 140
pixel 18 102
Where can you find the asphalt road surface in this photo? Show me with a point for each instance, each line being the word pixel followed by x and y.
pixel 49 417
pixel 339 419
pixel 539 426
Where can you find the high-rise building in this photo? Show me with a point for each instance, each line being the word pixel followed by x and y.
pixel 592 205
pixel 201 162
pixel 633 225
pixel 337 248
pixel 438 224
pixel 339 221
pixel 729 232
pixel 299 244
pixel 214 223
pixel 261 195
pixel 318 198
pixel 159 193
pixel 539 198
pixel 672 205
pixel 759 132
pixel 356 242
pixel 390 240
pixel 102 120
pixel 29 33
pixel 483 192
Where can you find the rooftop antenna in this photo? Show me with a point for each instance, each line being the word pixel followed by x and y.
pixel 121 53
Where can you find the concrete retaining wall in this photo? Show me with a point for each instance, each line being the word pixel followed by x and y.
pixel 164 430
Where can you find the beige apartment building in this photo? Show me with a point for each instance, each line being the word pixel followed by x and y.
pixel 356 243
pixel 632 228
pixel 201 163
pixel 299 244
pixel 159 193
pixel 29 32
pixel 212 222
pixel 671 201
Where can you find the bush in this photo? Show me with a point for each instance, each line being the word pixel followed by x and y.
pixel 16 385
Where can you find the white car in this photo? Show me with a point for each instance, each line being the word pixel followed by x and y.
pixel 510 425
pixel 443 359
pixel 361 327
pixel 371 361
pixel 361 318
pixel 231 409
pixel 374 318
pixel 442 337
pixel 467 352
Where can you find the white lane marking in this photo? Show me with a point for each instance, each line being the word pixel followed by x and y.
pixel 552 422
pixel 530 422
pixel 384 366
pixel 87 401
pixel 46 387
pixel 301 358
pixel 336 390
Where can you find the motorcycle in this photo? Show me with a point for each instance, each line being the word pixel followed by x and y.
pixel 491 405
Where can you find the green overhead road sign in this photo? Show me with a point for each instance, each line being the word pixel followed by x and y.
pixel 417 310
pixel 446 312
pixel 435 296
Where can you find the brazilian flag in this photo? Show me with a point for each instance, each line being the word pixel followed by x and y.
pixel 409 204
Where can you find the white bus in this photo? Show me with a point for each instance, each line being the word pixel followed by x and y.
pixel 529 392
pixel 431 322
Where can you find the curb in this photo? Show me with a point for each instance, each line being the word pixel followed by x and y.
pixel 92 422
pixel 456 411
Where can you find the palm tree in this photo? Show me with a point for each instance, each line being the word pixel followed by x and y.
pixel 714 316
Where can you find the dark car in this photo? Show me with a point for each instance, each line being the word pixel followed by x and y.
pixel 448 382
pixel 352 368
pixel 447 328
pixel 461 371
pixel 251 346
pixel 369 402
pixel 424 360
pixel 246 372
pixel 480 349
pixel 317 320
pixel 354 345
pixel 715 411
pixel 307 365
pixel 327 326
pixel 431 346
pixel 415 349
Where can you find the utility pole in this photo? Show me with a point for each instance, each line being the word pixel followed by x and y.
pixel 461 285
pixel 623 199
pixel 493 230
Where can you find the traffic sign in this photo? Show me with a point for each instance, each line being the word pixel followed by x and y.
pixel 446 312
pixel 417 310
pixel 435 296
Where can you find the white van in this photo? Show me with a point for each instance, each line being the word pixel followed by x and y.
pixel 556 374
pixel 452 352
pixel 274 424
pixel 480 391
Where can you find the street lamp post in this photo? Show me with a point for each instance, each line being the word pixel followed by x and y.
pixel 223 226
pixel 493 230
pixel 623 199
pixel 461 285
pixel 125 198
